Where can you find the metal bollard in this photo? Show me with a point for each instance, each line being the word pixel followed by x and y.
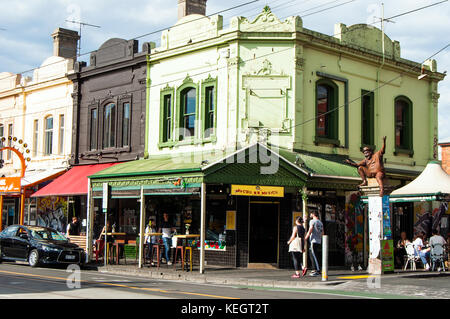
pixel 324 257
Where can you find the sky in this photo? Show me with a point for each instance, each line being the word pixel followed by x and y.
pixel 26 27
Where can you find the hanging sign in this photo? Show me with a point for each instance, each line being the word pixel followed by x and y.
pixel 10 185
pixel 254 190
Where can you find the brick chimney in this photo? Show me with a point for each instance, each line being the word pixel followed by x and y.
pixel 187 7
pixel 445 156
pixel 65 43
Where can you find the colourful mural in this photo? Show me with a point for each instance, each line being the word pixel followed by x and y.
pixel 52 212
pixel 426 218
pixel 354 230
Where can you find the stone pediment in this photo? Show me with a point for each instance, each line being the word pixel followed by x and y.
pixel 114 50
pixel 367 37
pixel 266 21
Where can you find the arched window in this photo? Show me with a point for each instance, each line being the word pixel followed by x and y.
pixel 403 123
pixel 48 142
pixel 326 110
pixel 109 125
pixel 188 101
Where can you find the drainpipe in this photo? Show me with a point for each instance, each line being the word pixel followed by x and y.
pixel 147 107
pixel 377 125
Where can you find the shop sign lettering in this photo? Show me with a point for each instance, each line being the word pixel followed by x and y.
pixel 252 190
pixel 10 185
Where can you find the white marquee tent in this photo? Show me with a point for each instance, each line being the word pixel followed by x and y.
pixel 432 184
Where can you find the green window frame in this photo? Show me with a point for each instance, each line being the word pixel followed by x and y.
pixel 327 113
pixel 166 125
pixel 403 125
pixel 209 109
pixel 186 112
pixel 367 119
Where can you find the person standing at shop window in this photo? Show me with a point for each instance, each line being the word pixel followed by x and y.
pixel 315 234
pixel 166 229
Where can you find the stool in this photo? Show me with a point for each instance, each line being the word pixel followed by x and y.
pixel 181 249
pixel 186 250
pixel 158 249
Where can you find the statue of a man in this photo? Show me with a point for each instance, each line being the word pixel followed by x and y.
pixel 372 166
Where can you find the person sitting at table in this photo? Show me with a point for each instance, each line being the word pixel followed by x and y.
pixel 400 249
pixel 420 249
pixel 150 240
pixel 166 228
pixel 436 238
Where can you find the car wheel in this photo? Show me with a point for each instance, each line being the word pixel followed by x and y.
pixel 33 258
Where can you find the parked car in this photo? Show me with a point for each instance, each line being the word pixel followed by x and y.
pixel 38 245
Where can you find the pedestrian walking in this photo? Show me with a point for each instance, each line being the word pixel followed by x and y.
pixel 298 231
pixel 315 234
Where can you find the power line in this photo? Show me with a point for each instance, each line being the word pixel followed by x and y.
pixel 150 33
pixel 162 83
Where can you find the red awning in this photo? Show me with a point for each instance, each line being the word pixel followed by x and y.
pixel 73 182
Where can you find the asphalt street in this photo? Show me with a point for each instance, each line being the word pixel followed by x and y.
pixel 19 281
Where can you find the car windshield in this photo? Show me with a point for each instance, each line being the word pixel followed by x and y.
pixel 47 234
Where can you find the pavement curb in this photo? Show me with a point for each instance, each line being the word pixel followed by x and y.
pixel 205 279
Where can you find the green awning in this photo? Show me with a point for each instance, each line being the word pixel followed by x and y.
pixel 251 165
pixel 246 166
pixel 319 166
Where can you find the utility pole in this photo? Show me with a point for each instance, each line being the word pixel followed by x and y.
pixel 82 24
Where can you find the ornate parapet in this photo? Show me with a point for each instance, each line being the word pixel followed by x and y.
pixel 266 21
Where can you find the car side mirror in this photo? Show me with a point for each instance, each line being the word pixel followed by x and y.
pixel 23 236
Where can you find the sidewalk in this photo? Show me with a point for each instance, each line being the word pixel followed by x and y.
pixel 268 278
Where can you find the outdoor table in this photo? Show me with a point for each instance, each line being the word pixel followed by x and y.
pixel 184 239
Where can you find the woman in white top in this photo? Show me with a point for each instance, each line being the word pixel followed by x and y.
pixel 420 250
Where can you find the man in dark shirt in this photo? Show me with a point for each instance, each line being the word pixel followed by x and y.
pixel 166 228
pixel 74 227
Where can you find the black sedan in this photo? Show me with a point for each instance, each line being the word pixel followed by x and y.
pixel 37 245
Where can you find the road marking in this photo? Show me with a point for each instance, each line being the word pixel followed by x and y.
pixel 357 277
pixel 121 285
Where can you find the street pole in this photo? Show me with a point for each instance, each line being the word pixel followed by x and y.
pixel 202 228
pixel 324 257
pixel 142 228
pixel 305 221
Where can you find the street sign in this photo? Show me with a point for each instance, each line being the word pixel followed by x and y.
pixel 105 197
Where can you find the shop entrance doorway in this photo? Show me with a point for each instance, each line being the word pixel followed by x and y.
pixel 263 233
